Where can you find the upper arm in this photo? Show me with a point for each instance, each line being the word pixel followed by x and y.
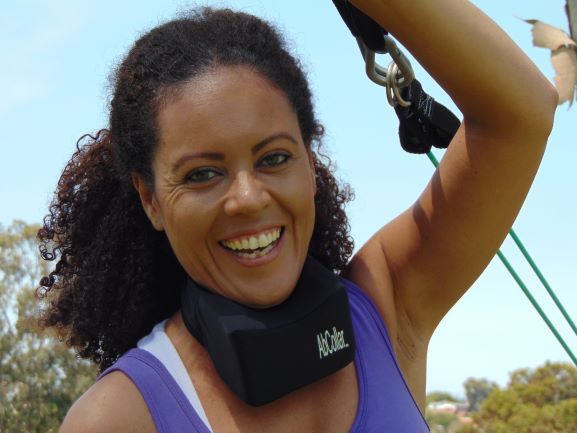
pixel 111 405
pixel 87 416
pixel 436 249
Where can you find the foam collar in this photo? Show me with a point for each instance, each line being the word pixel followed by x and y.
pixel 263 354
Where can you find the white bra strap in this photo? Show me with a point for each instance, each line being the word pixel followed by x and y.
pixel 159 345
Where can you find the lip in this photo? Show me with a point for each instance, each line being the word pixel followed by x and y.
pixel 259 261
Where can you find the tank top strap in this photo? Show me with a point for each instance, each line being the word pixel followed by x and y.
pixel 387 403
pixel 170 409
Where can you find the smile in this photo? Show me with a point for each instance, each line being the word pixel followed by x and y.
pixel 253 246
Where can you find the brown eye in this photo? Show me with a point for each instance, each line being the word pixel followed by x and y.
pixel 203 174
pixel 275 159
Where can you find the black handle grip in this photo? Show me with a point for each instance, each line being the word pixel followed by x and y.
pixel 362 26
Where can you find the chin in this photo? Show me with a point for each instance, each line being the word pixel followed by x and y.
pixel 265 300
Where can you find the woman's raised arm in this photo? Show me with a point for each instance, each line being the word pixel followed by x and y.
pixel 425 259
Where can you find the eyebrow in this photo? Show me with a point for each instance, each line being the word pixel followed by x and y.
pixel 217 156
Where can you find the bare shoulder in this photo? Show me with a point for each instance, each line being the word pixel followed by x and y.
pixel 113 404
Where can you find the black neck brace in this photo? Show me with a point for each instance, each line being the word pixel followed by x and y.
pixel 263 354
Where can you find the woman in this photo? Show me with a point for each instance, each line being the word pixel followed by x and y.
pixel 210 147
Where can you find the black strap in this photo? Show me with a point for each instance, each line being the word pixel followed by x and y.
pixel 362 26
pixel 425 123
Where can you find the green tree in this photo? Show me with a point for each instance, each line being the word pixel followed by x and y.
pixel 534 401
pixel 39 376
pixel 441 422
pixel 434 396
pixel 438 420
pixel 476 391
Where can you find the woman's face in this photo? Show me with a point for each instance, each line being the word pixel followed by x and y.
pixel 234 186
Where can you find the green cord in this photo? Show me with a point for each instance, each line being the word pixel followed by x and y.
pixel 536 305
pixel 543 280
pixel 526 290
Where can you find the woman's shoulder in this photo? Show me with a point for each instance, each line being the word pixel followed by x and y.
pixel 112 404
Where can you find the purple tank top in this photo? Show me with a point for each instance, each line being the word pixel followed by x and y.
pixel 385 403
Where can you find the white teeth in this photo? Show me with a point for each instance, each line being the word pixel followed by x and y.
pixel 255 254
pixel 263 240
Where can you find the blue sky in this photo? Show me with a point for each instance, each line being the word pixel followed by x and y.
pixel 54 67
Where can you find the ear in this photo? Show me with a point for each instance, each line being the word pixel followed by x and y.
pixel 148 201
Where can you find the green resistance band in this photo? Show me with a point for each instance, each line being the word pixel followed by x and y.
pixel 526 291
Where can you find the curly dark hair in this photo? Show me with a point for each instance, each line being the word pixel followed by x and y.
pixel 116 276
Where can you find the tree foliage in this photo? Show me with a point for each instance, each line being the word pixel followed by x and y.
pixel 442 422
pixel 435 396
pixel 477 390
pixel 39 376
pixel 534 401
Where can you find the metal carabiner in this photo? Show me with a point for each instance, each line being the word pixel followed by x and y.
pixel 396 98
pixel 402 62
pixel 399 73
pixel 389 84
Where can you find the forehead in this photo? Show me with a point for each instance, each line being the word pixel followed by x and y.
pixel 224 105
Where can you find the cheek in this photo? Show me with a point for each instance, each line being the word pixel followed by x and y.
pixel 187 226
pixel 304 203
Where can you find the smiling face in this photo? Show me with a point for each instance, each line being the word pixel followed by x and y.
pixel 234 186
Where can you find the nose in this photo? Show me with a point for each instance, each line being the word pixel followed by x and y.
pixel 247 195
